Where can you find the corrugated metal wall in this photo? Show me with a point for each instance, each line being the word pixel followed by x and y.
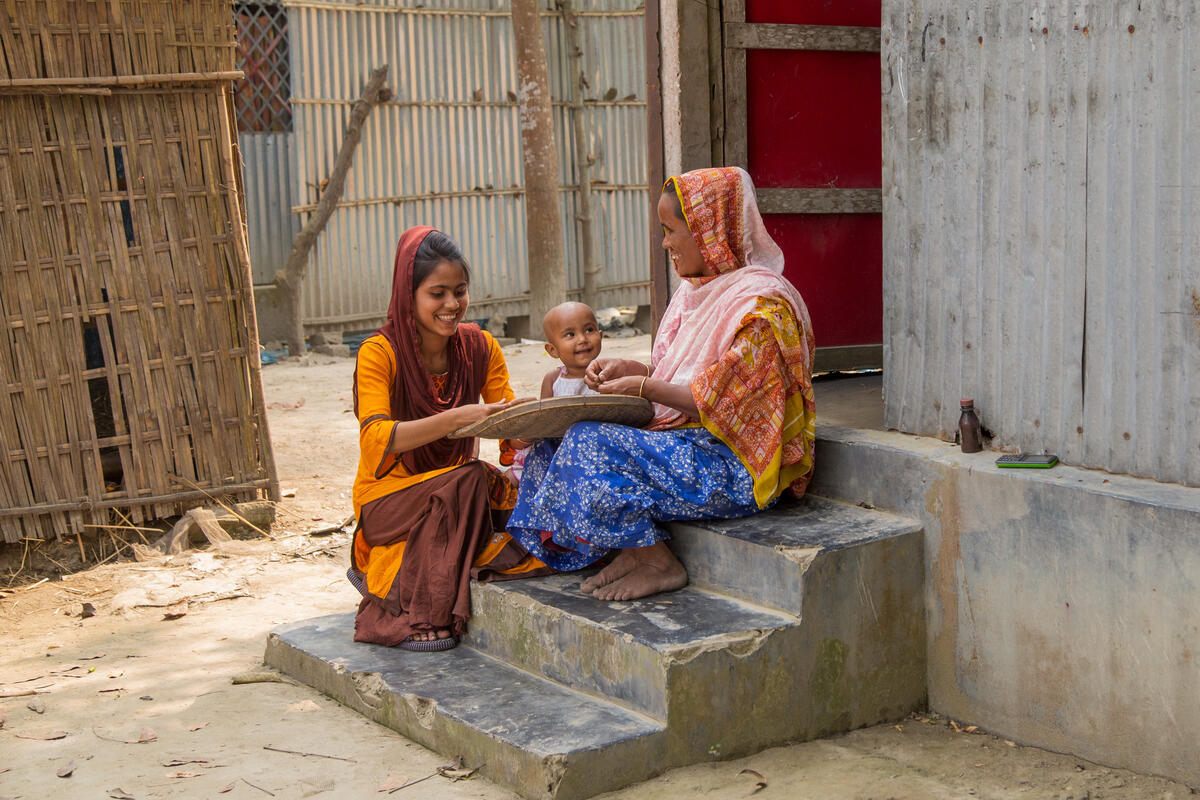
pixel 445 151
pixel 1041 251
pixel 268 174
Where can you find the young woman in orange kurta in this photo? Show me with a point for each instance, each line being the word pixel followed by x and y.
pixel 430 515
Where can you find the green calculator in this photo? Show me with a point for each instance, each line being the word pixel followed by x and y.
pixel 1028 460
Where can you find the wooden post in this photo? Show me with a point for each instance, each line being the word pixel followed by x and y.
pixel 660 285
pixel 543 225
pixel 290 279
pixel 583 159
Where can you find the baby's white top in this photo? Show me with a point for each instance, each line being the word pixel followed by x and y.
pixel 569 387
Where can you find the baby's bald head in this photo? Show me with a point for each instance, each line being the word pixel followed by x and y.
pixel 572 336
pixel 566 314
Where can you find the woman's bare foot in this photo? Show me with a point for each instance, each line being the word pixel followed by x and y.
pixel 657 570
pixel 625 561
pixel 429 636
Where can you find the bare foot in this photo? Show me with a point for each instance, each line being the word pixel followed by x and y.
pixel 657 570
pixel 429 636
pixel 624 563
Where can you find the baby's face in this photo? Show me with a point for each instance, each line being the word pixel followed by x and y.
pixel 573 337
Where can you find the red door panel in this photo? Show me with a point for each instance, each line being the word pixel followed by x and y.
pixel 813 121
pixel 833 259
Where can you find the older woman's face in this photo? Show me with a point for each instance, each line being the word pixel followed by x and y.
pixel 678 241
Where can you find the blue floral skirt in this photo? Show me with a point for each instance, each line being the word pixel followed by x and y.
pixel 605 486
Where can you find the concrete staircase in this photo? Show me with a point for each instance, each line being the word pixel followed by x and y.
pixel 800 622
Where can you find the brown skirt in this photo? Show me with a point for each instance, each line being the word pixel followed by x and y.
pixel 416 550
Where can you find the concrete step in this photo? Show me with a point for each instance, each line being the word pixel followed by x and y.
pixel 534 736
pixel 817 627
pixel 638 653
pixel 765 558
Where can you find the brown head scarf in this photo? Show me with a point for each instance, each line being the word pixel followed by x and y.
pixel 413 393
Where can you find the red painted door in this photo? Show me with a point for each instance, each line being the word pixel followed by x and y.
pixel 802 114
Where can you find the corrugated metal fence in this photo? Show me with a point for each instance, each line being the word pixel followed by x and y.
pixel 1041 178
pixel 268 169
pixel 445 151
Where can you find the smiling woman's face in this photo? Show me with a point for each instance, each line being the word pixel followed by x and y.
pixel 678 241
pixel 440 302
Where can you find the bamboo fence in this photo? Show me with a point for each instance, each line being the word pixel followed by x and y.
pixel 129 345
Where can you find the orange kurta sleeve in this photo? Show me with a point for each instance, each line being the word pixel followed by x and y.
pixel 496 387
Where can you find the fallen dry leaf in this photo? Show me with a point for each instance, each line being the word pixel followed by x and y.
pixel 66 770
pixel 392 782
pixel 120 794
pixel 176 611
pixel 179 762
pixel 304 705
pixel 44 736
pixel 195 728
pixel 970 729
pixel 457 774
pixel 7 693
pixel 91 658
pixel 954 725
pixel 146 734
pixel 762 782
pixel 184 774
pixel 899 728
pixel 228 788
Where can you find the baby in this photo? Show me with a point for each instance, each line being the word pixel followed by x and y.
pixel 573 337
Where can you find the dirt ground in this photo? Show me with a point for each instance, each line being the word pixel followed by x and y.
pixel 138 700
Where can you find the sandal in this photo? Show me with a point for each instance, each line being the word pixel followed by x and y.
pixel 428 645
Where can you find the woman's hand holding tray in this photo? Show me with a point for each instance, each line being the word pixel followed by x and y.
pixel 551 417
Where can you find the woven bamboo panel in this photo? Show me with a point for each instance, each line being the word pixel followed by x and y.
pixel 128 334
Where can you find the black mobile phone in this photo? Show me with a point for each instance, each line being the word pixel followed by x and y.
pixel 1030 460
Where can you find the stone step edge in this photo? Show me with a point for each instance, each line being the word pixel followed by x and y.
pixel 285 656
pixel 780 567
pixel 506 603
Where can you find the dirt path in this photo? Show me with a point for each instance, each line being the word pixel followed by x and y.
pixel 137 701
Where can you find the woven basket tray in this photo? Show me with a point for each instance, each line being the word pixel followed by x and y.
pixel 551 417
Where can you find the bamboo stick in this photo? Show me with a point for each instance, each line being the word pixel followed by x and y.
pixel 16 90
pixel 118 502
pixel 123 80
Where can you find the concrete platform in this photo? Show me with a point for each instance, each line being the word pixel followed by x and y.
pixel 561 695
pixel 1061 607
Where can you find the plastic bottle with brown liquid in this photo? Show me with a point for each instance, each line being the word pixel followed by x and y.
pixel 968 427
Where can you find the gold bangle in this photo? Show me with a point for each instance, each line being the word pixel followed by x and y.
pixel 642 385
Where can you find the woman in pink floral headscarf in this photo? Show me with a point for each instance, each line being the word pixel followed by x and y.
pixel 731 382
